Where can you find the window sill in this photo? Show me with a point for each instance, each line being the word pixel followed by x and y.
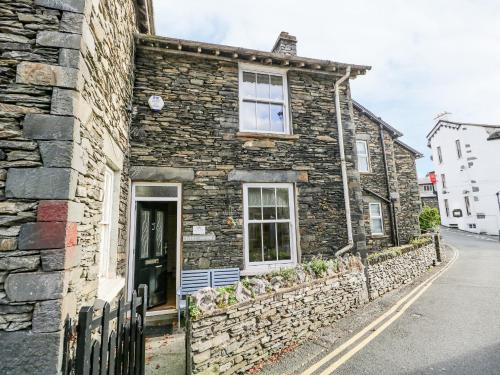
pixel 264 269
pixel 108 288
pixel 379 236
pixel 255 135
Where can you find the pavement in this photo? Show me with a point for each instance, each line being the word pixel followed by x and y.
pixel 165 353
pixel 452 326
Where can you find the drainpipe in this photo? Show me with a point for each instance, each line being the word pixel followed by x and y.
pixel 340 131
pixel 394 224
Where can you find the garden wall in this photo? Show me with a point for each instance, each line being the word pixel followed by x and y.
pixel 387 274
pixel 235 339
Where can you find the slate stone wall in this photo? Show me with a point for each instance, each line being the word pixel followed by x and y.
pixel 199 129
pixel 65 73
pixel 401 168
pixel 393 273
pixel 375 180
pixel 408 210
pixel 235 339
pixel 432 202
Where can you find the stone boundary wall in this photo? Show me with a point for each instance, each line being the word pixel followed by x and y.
pixel 235 339
pixel 392 273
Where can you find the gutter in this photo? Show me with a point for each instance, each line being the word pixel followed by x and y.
pixel 340 130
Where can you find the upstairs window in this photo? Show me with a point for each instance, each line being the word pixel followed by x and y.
pixel 263 100
pixel 363 160
pixel 459 148
pixel 440 156
pixel 443 181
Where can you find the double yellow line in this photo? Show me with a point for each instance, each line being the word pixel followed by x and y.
pixel 388 318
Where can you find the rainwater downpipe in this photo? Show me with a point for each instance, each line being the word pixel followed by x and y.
pixel 340 131
pixel 394 224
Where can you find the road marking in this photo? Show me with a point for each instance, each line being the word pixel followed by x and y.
pixel 417 291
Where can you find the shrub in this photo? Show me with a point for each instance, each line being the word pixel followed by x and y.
pixel 318 266
pixel 421 241
pixel 429 219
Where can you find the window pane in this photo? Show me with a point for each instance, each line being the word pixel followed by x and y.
pixel 248 115
pixel 254 204
pixel 268 204
pixel 156 191
pixel 282 204
pixel 377 226
pixel 284 252
pixel 374 210
pixel 248 85
pixel 255 242
pixel 145 220
pixel 263 116
pixel 277 118
pixel 269 241
pixel 361 147
pixel 362 163
pixel 159 229
pixel 276 88
pixel 263 86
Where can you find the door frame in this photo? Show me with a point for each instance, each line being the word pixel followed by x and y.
pixel 132 236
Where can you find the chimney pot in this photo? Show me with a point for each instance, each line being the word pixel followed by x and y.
pixel 285 44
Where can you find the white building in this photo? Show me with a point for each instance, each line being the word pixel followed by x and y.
pixel 467 161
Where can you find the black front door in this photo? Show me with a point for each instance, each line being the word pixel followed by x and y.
pixel 155 249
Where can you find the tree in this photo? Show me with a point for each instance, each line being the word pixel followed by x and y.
pixel 429 219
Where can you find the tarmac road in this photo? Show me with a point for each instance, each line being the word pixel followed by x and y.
pixel 453 328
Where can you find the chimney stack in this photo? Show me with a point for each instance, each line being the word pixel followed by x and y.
pixel 286 44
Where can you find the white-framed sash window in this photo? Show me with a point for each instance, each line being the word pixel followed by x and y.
pixel 106 224
pixel 376 220
pixel 363 157
pixel 263 99
pixel 269 219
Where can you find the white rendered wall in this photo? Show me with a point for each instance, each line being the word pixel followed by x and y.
pixel 462 178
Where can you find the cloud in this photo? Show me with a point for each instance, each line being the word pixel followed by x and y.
pixel 427 56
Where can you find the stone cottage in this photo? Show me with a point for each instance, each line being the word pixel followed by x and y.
pixel 127 157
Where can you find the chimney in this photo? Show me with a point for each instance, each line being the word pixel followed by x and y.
pixel 285 44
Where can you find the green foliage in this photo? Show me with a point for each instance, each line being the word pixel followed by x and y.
pixel 421 241
pixel 379 256
pixel 194 311
pixel 429 219
pixel 318 266
pixel 288 274
pixel 227 296
pixel 393 252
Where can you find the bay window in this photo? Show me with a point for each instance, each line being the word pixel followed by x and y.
pixel 269 224
pixel 263 100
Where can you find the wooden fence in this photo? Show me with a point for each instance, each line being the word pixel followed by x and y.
pixel 108 342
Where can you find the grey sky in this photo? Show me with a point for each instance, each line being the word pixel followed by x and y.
pixel 427 56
